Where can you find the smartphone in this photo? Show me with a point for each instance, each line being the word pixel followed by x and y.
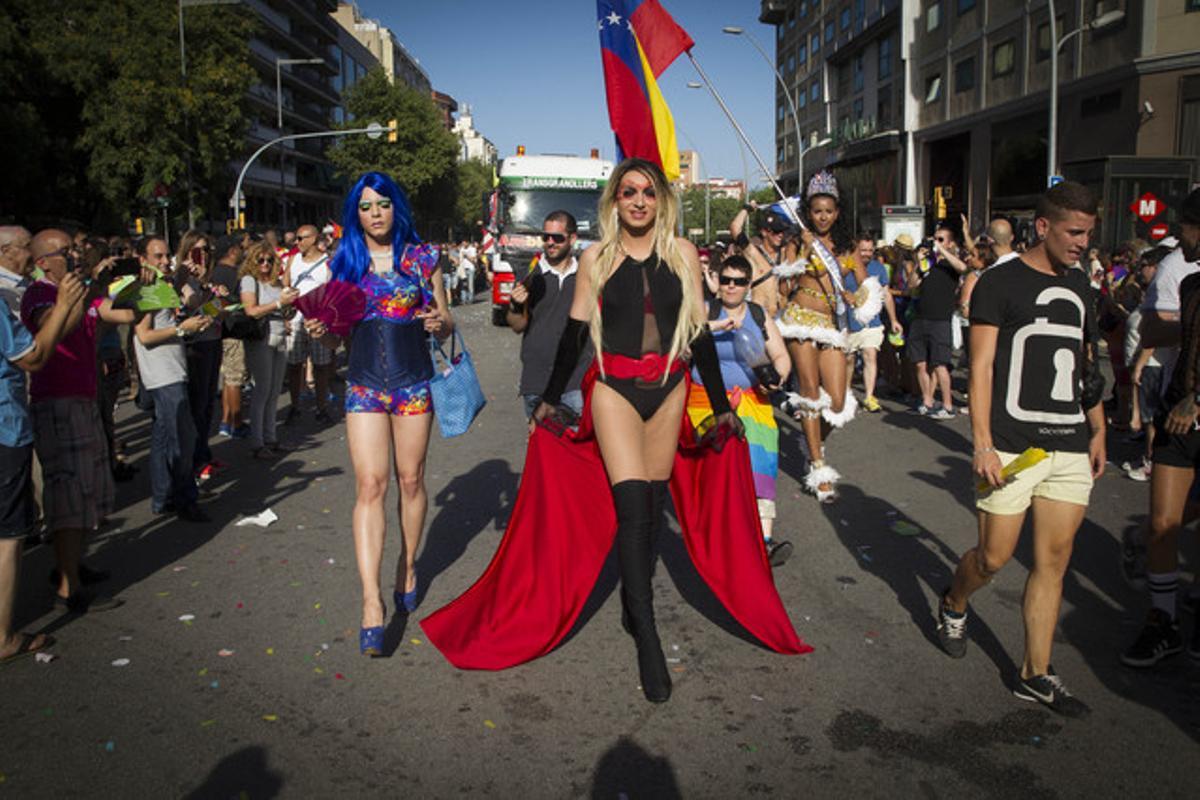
pixel 197 256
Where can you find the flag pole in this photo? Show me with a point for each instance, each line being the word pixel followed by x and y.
pixel 787 206
pixel 826 257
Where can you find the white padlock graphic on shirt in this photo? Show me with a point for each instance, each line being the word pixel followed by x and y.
pixel 1061 379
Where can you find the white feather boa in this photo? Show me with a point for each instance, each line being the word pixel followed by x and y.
pixel 870 300
pixel 813 333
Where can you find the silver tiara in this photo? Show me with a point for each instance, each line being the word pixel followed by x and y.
pixel 822 183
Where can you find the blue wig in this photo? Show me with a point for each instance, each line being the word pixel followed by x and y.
pixel 352 259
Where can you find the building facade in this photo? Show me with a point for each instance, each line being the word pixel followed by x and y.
pixel 915 95
pixel 473 145
pixel 387 50
pixel 294 181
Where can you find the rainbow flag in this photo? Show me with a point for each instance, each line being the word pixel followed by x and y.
pixel 638 41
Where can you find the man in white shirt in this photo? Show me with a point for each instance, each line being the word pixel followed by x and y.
pixel 1001 234
pixel 307 269
pixel 466 273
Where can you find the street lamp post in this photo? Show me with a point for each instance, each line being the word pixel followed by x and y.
pixel 279 62
pixel 187 153
pixel 733 30
pixel 1102 21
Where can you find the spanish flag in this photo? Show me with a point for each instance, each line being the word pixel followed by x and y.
pixel 638 40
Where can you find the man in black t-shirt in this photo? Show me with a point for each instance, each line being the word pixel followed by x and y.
pixel 1031 322
pixel 930 339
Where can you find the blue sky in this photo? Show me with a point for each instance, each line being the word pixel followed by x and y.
pixel 530 69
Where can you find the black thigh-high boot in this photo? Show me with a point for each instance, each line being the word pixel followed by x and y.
pixel 635 531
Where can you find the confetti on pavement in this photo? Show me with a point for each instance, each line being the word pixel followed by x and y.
pixel 487 723
pixel 223 653
pixel 186 617
pixel 905 528
pixel 270 717
pixel 44 658
pixel 121 662
pixel 207 723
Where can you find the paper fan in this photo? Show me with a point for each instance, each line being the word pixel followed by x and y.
pixel 336 303
pixel 156 296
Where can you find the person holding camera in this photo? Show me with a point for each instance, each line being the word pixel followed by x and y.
pixel 754 362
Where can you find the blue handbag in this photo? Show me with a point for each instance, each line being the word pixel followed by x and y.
pixel 457 395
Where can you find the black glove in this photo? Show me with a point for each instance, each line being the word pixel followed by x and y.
pixel 570 345
pixel 704 356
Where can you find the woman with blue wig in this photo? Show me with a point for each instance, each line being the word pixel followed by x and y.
pixel 387 392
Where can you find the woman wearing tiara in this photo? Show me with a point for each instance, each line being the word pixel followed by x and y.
pixel 813 322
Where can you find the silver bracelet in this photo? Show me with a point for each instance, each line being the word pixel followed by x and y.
pixel 982 450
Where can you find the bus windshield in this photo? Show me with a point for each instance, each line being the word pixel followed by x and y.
pixel 525 210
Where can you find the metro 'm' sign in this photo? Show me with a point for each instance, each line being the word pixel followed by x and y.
pixel 1147 207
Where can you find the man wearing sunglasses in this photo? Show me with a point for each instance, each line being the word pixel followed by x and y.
pixel 69 437
pixel 930 339
pixel 538 310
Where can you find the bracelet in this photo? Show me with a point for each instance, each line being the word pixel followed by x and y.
pixel 981 450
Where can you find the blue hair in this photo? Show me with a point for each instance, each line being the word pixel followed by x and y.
pixel 352 259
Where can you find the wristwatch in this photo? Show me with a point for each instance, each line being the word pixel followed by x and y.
pixel 180 333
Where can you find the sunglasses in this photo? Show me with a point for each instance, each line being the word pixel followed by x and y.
pixel 265 260
pixel 63 252
pixel 557 238
pixel 365 205
pixel 734 280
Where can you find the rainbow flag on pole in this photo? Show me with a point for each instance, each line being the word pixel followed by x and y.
pixel 638 41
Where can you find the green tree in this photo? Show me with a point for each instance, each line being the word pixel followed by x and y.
pixel 474 178
pixel 721 211
pixel 113 67
pixel 422 159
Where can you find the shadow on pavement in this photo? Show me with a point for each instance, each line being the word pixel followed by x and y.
pixel 241 774
pixel 468 505
pixel 626 770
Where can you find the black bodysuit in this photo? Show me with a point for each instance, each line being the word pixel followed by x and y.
pixel 640 305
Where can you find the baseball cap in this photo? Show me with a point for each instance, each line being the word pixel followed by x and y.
pixel 776 222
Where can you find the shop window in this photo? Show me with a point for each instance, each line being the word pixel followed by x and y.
pixel 933 88
pixel 1003 58
pixel 885 58
pixel 964 75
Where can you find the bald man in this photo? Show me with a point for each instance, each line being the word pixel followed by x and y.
pixel 306 270
pixel 1001 234
pixel 16 264
pixel 77 492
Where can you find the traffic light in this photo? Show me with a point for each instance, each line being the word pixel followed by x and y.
pixel 139 225
pixel 393 130
pixel 939 203
pixel 241 220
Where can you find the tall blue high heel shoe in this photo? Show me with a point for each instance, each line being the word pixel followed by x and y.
pixel 407 600
pixel 370 640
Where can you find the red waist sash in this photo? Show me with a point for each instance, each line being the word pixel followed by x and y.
pixel 648 368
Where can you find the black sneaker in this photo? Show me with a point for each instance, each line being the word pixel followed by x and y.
pixel 952 630
pixel 1050 691
pixel 778 552
pixel 1159 639
pixel 1133 557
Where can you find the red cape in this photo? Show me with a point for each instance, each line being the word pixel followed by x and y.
pixel 561 531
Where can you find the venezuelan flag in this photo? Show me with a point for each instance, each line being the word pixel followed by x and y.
pixel 638 40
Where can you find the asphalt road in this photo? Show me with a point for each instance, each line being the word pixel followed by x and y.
pixel 243 676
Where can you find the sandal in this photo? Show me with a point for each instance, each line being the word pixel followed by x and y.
pixel 28 648
pixel 407 600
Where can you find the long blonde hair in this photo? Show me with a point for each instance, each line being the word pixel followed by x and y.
pixel 610 255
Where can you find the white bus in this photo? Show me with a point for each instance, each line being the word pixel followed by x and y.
pixel 530 188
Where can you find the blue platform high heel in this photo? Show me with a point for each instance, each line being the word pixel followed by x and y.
pixel 370 640
pixel 407 600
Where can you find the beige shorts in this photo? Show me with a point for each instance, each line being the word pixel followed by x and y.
pixel 866 339
pixel 1065 477
pixel 233 362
